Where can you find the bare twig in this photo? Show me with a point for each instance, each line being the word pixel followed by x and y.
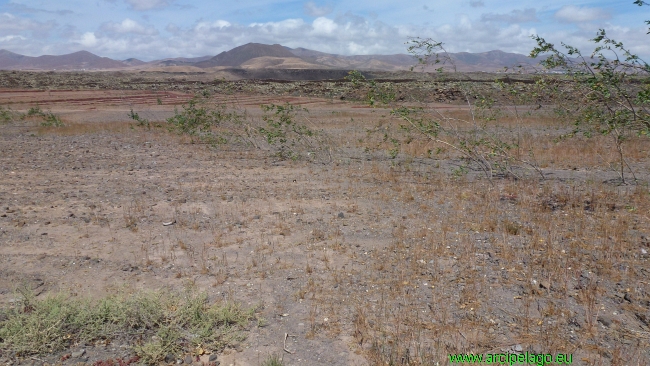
pixel 286 335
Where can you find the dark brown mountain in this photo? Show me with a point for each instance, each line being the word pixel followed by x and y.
pixel 73 61
pixel 239 55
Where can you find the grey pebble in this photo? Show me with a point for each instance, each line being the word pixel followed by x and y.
pixel 77 354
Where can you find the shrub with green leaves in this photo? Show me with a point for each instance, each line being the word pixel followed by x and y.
pixel 286 135
pixel 142 122
pixel 49 119
pixel 608 91
pixel 6 115
pixel 201 119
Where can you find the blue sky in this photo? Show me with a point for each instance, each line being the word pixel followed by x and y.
pixel 154 29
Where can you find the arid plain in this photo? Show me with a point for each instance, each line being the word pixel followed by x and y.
pixel 362 258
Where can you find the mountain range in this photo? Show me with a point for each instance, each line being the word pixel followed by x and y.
pixel 255 56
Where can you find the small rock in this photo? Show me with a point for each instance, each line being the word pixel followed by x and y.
pixel 545 284
pixel 256 217
pixel 517 348
pixel 341 215
pixel 169 358
pixel 188 359
pixel 213 358
pixel 627 297
pixel 604 320
pixel 78 354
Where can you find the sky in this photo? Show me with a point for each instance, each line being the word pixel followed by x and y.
pixel 156 29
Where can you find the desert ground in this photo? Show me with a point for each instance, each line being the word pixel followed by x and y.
pixel 361 258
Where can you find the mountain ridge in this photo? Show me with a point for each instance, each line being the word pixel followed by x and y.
pixel 263 56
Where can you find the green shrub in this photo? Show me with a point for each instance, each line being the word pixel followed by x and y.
pixel 6 115
pixel 608 93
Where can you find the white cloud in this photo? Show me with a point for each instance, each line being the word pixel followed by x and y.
pixel 310 8
pixel 324 26
pixel 634 38
pixel 515 16
pixel 209 27
pixel 12 37
pixel 149 4
pixel 579 14
pixel 281 28
pixel 128 26
pixel 88 40
pixel 10 22
pixel 21 8
pixel 123 30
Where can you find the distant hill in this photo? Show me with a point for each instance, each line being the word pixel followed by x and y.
pixel 239 55
pixel 73 61
pixel 133 62
pixel 253 56
pixel 464 61
pixel 9 59
pixel 178 61
pixel 361 62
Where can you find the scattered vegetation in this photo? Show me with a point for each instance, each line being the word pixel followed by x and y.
pixel 273 360
pixel 6 115
pixel 284 134
pixel 158 323
pixel 280 130
pixel 49 119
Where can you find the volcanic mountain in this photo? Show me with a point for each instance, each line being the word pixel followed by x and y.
pixel 238 56
pixel 73 61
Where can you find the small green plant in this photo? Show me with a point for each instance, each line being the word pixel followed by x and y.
pixel 49 119
pixel 6 115
pixel 34 111
pixel 284 133
pixel 273 360
pixel 461 171
pixel 197 119
pixel 142 122
pixel 356 78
